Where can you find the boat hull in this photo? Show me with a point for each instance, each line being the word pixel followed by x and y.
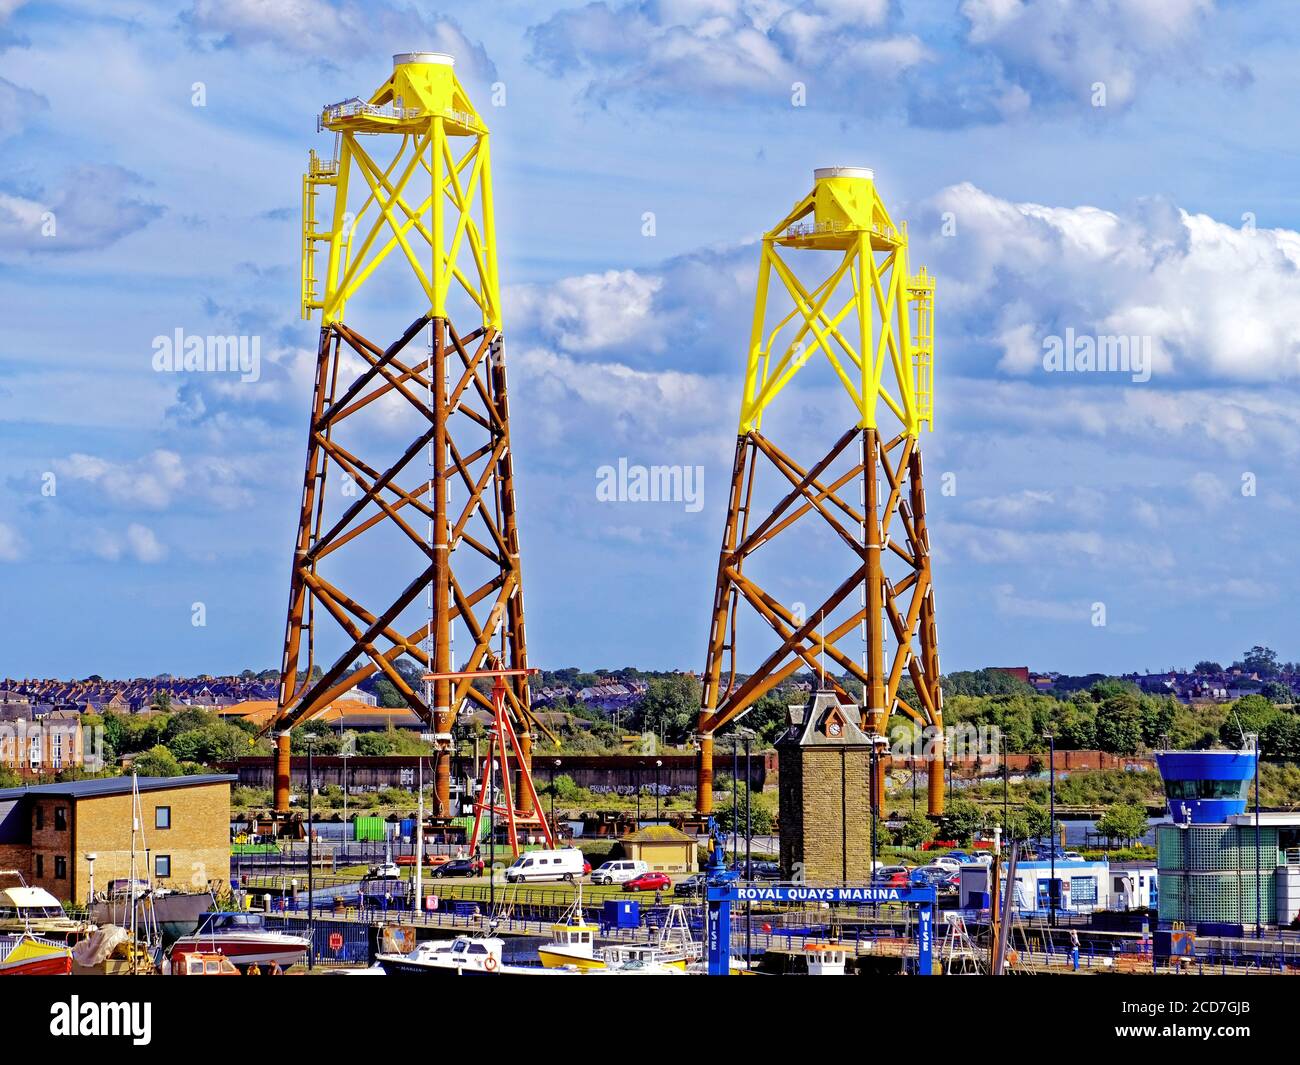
pixel 400 965
pixel 26 956
pixel 268 950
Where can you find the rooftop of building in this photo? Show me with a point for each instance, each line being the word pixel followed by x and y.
pixel 104 786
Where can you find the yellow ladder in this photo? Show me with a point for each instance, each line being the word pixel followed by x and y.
pixel 920 294
pixel 319 172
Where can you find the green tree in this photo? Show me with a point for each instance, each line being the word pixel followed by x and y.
pixel 963 820
pixel 1205 666
pixel 917 831
pixel 1119 724
pixel 1276 692
pixel 1261 660
pixel 1123 821
pixel 157 762
pixel 1250 713
pixel 670 706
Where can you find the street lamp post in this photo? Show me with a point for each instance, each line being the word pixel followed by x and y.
pixel 659 762
pixel 554 766
pixel 1006 783
pixel 310 739
pixel 1258 897
pixel 871 803
pixel 1051 883
pixel 749 850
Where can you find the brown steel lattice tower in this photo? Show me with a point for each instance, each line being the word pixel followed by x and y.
pixel 435 516
pixel 873 322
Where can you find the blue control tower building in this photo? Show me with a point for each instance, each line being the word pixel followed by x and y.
pixel 1206 787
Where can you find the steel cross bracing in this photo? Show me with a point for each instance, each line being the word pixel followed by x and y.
pixel 867 490
pixel 425 214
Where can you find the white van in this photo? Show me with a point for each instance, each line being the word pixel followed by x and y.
pixel 619 872
pixel 566 864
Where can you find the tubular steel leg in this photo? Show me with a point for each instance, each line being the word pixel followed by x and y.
pixel 443 711
pixel 283 764
pixel 877 714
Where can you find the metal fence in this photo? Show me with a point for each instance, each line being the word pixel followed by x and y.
pixel 334 941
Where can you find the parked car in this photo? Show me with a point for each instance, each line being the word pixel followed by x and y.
pixel 947 861
pixel 757 870
pixel 649 882
pixel 619 872
pixel 961 857
pixel 564 864
pixel 692 886
pixel 933 875
pixel 460 867
pixel 891 876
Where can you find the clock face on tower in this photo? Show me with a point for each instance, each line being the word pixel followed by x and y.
pixel 835 728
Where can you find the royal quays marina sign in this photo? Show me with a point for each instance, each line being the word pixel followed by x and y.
pixel 721 897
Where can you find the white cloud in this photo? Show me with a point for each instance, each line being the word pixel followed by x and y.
pixel 334 32
pixel 137 542
pixel 143 544
pixel 12 546
pixel 95 206
pixel 589 312
pixel 1009 603
pixel 1208 490
pixel 752 47
pixel 1061 48
pixel 1018 55
pixel 1214 300
pixel 157 480
pixel 17 105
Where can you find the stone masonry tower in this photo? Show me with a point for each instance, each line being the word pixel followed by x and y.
pixel 824 760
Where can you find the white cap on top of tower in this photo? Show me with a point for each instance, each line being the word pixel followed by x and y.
pixel 438 59
pixel 844 171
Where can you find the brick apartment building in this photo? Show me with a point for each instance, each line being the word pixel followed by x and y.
pixel 47 831
pixel 47 744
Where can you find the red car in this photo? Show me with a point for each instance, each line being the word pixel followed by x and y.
pixel 649 882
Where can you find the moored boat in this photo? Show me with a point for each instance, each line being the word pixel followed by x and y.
pixel 28 955
pixel 35 910
pixel 244 939
pixel 173 913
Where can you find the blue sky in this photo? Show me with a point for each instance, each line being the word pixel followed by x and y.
pixel 1168 213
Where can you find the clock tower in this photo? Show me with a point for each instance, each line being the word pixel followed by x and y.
pixel 824 762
